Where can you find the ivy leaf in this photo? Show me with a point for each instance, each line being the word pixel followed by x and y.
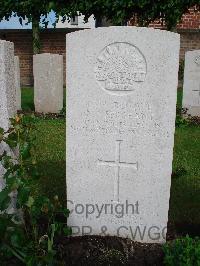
pixel 66 212
pixel 3 225
pixel 30 202
pixel 23 196
pixel 67 231
pixel 25 150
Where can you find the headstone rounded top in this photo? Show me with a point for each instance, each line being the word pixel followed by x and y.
pixel 193 52
pixel 47 54
pixel 4 41
pixel 125 28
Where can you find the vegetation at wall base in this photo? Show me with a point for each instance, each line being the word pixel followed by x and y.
pixel 29 222
pixel 182 252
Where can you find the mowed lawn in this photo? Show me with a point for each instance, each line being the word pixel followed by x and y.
pixel 185 190
pixel 50 148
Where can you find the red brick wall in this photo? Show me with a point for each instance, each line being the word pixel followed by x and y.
pixel 23 48
pixel 190 40
pixel 53 41
pixel 190 20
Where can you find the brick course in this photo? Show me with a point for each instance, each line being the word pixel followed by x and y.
pixel 190 20
pixel 190 40
pixel 52 41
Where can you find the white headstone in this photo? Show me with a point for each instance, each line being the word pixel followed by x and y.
pixel 7 92
pixel 121 107
pixel 48 82
pixel 7 83
pixel 191 87
pixel 17 83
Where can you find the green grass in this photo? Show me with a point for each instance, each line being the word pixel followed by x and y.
pixel 50 148
pixel 27 99
pixel 179 98
pixel 185 190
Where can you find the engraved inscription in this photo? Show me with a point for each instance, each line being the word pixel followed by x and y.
pixel 119 67
pixel 197 60
pixel 118 164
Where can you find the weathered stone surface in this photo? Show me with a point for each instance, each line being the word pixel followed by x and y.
pixel 121 106
pixel 7 83
pixel 191 87
pixel 48 83
pixel 8 97
pixel 17 83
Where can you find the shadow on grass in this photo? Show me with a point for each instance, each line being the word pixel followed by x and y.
pixel 185 205
pixel 52 179
pixel 27 99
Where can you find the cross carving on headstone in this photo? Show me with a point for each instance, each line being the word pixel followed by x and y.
pixel 118 164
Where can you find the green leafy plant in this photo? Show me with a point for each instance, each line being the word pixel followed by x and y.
pixel 31 10
pixel 120 12
pixel 182 252
pixel 29 226
pixel 181 118
pixel 63 111
pixel 181 121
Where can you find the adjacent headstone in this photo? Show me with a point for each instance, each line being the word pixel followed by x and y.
pixel 191 87
pixel 7 83
pixel 121 107
pixel 17 83
pixel 7 99
pixel 48 82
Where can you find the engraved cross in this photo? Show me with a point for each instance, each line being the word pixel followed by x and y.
pixel 118 164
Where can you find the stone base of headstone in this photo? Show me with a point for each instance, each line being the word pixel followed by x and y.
pixel 191 111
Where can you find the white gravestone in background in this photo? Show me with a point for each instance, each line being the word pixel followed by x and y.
pixel 121 107
pixel 48 82
pixel 7 83
pixel 17 83
pixel 191 87
pixel 7 99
